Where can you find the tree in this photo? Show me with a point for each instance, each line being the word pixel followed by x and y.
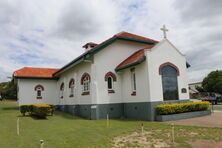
pixel 200 89
pixel 8 90
pixel 213 82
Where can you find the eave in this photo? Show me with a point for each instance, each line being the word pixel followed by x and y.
pixel 132 64
pixel 28 77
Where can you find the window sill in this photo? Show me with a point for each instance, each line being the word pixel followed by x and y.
pixel 38 97
pixel 133 93
pixel 85 93
pixel 71 96
pixel 111 91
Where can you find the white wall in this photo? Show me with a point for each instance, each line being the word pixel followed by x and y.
pixel 194 85
pixel 162 53
pixel 75 73
pixel 148 80
pixel 107 60
pixel 27 93
pixel 142 86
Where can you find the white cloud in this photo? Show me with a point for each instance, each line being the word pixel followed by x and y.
pixel 48 33
pixel 51 33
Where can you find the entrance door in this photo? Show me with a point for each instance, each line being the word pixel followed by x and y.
pixel 169 83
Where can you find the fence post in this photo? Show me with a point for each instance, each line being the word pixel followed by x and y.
pixel 107 120
pixel 212 107
pixel 173 136
pixel 41 143
pixel 142 129
pixel 18 126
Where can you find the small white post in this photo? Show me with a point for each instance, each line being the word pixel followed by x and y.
pixel 107 120
pixel 41 143
pixel 18 126
pixel 173 137
pixel 142 129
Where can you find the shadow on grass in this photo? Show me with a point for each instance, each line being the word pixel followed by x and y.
pixel 67 115
pixel 21 116
pixel 56 113
pixel 38 118
pixel 33 117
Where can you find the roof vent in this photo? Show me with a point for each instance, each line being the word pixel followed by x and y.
pixel 89 46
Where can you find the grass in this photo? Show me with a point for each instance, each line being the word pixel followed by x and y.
pixel 63 130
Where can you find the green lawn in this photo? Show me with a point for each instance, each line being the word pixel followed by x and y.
pixel 64 131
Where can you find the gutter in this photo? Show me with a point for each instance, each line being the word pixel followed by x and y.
pixel 25 77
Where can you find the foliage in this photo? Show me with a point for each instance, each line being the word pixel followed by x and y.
pixel 8 90
pixel 39 110
pixel 52 109
pixel 25 109
pixel 175 108
pixel 200 89
pixel 213 82
pixel 219 99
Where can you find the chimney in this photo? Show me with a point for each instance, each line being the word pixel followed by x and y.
pixel 89 46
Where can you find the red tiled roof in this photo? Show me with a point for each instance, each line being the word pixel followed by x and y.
pixel 35 72
pixel 133 36
pixel 136 57
pixel 120 35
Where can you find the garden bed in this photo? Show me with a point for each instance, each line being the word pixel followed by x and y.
pixel 185 115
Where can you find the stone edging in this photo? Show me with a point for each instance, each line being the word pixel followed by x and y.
pixel 182 115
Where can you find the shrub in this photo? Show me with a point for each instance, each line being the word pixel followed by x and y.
pixel 41 110
pixel 52 109
pixel 25 109
pixel 174 108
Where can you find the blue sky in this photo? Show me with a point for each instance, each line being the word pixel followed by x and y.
pixel 51 33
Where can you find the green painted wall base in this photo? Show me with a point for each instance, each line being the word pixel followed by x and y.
pixel 136 110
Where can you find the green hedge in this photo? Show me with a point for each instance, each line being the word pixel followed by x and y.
pixel 175 108
pixel 25 109
pixel 219 99
pixel 39 110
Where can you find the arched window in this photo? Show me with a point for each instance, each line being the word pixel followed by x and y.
pixel 85 82
pixel 110 83
pixel 133 81
pixel 61 90
pixel 39 88
pixel 71 87
pixel 110 77
pixel 169 74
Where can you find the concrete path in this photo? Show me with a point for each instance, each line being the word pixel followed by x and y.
pixel 213 120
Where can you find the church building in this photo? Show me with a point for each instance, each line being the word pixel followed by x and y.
pixel 125 76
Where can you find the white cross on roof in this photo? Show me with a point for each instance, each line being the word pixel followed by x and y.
pixel 164 29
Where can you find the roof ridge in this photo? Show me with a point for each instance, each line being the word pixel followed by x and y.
pixel 38 67
pixel 133 34
pixel 121 35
